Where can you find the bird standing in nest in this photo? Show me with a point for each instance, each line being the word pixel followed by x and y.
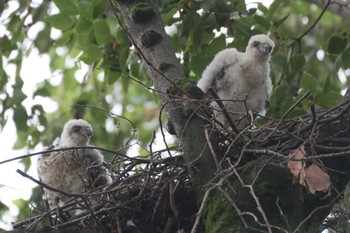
pixel 241 80
pixel 73 171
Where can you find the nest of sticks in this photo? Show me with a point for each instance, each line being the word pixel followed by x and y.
pixel 156 195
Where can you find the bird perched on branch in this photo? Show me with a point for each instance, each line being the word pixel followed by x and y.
pixel 241 80
pixel 72 171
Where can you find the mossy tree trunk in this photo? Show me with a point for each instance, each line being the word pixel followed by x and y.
pixel 257 195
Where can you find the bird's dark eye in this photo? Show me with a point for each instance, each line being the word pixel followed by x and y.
pixel 256 44
pixel 76 129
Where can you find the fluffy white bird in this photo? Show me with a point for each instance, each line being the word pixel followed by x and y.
pixel 72 171
pixel 241 80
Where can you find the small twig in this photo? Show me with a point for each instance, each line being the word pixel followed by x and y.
pixel 313 25
pixel 72 148
pixel 258 205
pixel 201 209
pixel 105 111
pixel 47 186
pixel 286 114
pixel 213 153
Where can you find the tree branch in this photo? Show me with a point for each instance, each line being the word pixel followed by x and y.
pixel 339 7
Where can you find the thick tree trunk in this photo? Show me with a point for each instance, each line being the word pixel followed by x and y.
pixel 146 31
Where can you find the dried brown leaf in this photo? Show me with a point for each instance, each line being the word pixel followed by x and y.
pixel 297 168
pixel 316 179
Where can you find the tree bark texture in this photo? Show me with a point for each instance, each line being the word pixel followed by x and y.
pixel 146 31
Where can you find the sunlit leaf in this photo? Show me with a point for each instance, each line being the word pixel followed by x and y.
pixel 168 17
pixel 99 7
pixel 91 54
pixel 273 8
pixel 120 37
pixel 66 7
pixel 102 32
pixel 83 26
pixel 86 9
pixel 60 21
pixel 15 27
pixel 65 38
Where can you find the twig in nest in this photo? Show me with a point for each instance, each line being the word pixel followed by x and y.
pixel 223 109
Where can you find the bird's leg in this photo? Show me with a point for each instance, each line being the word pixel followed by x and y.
pixel 222 108
pixel 61 215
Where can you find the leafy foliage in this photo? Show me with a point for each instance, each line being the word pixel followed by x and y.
pixel 82 33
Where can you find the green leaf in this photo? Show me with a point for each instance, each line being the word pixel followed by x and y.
pixel 123 56
pixel 297 62
pixel 15 27
pixel 18 95
pixel 120 36
pixel 345 58
pixel 65 38
pixel 208 20
pixel 43 91
pixel 308 82
pixel 168 17
pixel 281 21
pixel 273 8
pixel 135 70
pixel 337 45
pixel 102 32
pixel 263 8
pixel 83 26
pixel 328 100
pixel 66 7
pixel 198 64
pixel 125 83
pixel 83 40
pixel 280 60
pixel 86 9
pixel 262 21
pixel 99 7
pixel 5 44
pixel 207 4
pixel 91 54
pixel 217 44
pixel 278 95
pixel 60 21
pixel 112 77
pixel 20 118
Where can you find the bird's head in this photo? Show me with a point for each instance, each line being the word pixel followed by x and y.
pixel 260 46
pixel 75 133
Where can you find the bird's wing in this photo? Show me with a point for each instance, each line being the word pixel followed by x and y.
pixel 96 173
pixel 216 69
pixel 42 173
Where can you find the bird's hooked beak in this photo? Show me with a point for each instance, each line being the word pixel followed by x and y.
pixel 265 48
pixel 87 131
